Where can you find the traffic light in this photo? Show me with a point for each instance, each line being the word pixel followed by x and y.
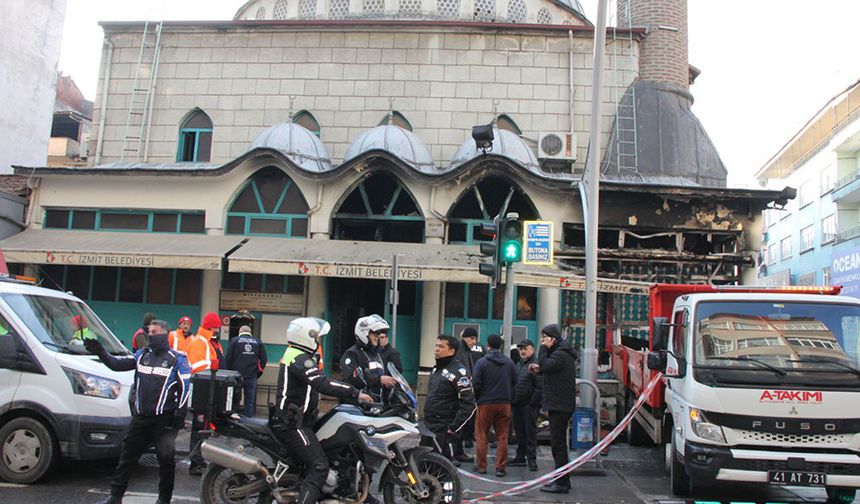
pixel 511 249
pixel 491 249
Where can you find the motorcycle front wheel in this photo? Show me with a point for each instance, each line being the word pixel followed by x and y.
pixel 436 472
pixel 218 481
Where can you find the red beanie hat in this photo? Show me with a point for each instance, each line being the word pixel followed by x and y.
pixel 183 319
pixel 211 321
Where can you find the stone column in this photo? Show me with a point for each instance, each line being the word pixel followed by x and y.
pixel 549 303
pixel 317 294
pixel 431 308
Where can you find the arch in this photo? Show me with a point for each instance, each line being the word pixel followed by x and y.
pixel 517 12
pixel 305 119
pixel 195 137
pixel 397 119
pixel 261 14
pixel 379 208
pixel 279 11
pixel 544 16
pixel 308 10
pixel 481 202
pixel 448 9
pixel 269 204
pixel 505 122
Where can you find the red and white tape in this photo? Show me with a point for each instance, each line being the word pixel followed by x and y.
pixel 520 487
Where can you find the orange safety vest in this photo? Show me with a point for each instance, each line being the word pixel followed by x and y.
pixel 179 341
pixel 203 351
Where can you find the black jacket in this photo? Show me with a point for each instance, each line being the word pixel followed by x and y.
pixel 450 399
pixel 247 355
pixel 494 378
pixel 370 363
pixel 300 383
pixel 469 356
pixel 390 354
pixel 529 388
pixel 558 367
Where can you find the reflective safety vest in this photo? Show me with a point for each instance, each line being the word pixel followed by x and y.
pixel 204 351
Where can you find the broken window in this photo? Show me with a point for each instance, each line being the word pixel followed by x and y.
pixel 380 208
pixel 481 203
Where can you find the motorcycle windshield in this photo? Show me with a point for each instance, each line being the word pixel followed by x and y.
pixel 402 382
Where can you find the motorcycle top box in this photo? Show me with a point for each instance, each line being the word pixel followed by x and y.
pixel 222 397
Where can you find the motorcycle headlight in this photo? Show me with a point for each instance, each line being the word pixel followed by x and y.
pixel 704 429
pixel 92 385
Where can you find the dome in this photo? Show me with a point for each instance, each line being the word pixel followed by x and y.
pixel 393 139
pixel 505 143
pixel 297 143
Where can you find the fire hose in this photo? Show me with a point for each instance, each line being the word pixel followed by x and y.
pixel 519 487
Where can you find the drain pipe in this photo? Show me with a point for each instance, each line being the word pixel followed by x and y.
pixel 570 80
pixel 105 92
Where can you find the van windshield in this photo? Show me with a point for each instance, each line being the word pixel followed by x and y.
pixel 61 324
pixel 777 341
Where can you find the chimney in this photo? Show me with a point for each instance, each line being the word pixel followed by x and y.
pixel 663 54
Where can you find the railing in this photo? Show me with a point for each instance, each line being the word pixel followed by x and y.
pixel 848 234
pixel 847 179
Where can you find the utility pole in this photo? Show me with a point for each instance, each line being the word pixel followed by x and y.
pixel 592 205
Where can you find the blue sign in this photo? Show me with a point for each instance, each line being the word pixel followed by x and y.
pixel 537 238
pixel 845 271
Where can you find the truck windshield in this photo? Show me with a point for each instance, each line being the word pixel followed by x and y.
pixel 778 340
pixel 61 324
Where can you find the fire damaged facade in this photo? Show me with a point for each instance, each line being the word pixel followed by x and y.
pixel 283 164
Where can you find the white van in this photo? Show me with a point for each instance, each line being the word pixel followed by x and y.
pixel 55 397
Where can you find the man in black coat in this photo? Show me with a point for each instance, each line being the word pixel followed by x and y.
pixel 468 352
pixel 528 394
pixel 557 364
pixel 247 355
pixel 389 353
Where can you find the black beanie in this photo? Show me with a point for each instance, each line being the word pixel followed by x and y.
pixel 552 331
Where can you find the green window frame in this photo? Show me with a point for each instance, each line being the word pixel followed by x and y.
pixel 62 275
pixel 155 220
pixel 195 138
pixel 242 222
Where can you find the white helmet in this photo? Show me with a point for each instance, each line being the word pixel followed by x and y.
pixel 305 333
pixel 368 324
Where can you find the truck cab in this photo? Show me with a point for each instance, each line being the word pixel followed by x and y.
pixel 56 399
pixel 761 387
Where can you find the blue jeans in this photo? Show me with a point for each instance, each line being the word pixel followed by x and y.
pixel 250 392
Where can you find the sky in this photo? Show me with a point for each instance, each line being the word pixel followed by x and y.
pixel 767 65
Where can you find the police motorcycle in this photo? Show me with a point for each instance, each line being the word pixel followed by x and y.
pixel 248 464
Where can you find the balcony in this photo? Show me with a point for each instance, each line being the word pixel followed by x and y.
pixel 847 189
pixel 848 234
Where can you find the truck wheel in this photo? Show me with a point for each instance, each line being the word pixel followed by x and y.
pixel 840 495
pixel 682 485
pixel 27 450
pixel 636 435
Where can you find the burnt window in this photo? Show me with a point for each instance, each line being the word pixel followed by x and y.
pixel 130 221
pixel 57 219
pixel 104 283
pixel 158 285
pixel 131 285
pixel 454 299
pixel 187 287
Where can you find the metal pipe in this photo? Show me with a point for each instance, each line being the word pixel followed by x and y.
pixel 152 92
pixel 508 321
pixel 232 459
pixel 570 79
pixel 597 409
pixel 105 92
pixel 592 183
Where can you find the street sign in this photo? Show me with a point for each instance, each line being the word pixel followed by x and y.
pixel 537 237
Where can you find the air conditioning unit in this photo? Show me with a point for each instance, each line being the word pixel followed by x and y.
pixel 557 145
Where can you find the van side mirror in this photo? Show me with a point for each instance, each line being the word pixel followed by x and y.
pixel 660 338
pixel 657 361
pixel 680 371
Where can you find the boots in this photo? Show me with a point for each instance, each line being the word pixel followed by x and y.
pixel 111 500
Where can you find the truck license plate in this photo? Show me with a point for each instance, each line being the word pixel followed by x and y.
pixel 799 478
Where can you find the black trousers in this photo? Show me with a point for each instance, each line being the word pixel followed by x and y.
pixel 525 427
pixel 443 443
pixel 559 423
pixel 146 431
pixel 305 446
pixel 198 423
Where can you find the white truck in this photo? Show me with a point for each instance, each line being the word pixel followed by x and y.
pixel 760 385
pixel 56 399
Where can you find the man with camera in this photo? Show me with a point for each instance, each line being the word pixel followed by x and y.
pixel 157 399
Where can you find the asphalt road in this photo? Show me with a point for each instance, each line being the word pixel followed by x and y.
pixel 629 475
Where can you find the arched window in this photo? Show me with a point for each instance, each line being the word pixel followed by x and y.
pixel 374 6
pixel 397 119
pixel 307 120
pixel 270 204
pixel 449 9
pixel 280 10
pixel 261 14
pixel 485 10
pixel 543 16
pixel 504 122
pixel 195 137
pixel 338 9
pixel 517 11
pixel 481 203
pixel 380 208
pixel 410 7
pixel 307 9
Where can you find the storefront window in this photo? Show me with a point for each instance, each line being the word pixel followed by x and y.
pixel 108 220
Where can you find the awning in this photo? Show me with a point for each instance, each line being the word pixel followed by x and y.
pixel 129 250
pixel 419 262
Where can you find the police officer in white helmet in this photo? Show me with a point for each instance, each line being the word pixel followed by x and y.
pixel 361 364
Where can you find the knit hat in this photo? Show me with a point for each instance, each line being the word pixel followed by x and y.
pixel 211 321
pixel 525 343
pixel 185 319
pixel 494 341
pixel 149 317
pixel 469 332
pixel 553 331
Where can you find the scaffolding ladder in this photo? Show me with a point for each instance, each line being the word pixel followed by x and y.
pixel 626 148
pixel 142 93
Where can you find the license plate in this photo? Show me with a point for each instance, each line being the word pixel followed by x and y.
pixel 799 478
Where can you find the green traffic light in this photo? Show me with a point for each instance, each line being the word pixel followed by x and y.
pixel 512 251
